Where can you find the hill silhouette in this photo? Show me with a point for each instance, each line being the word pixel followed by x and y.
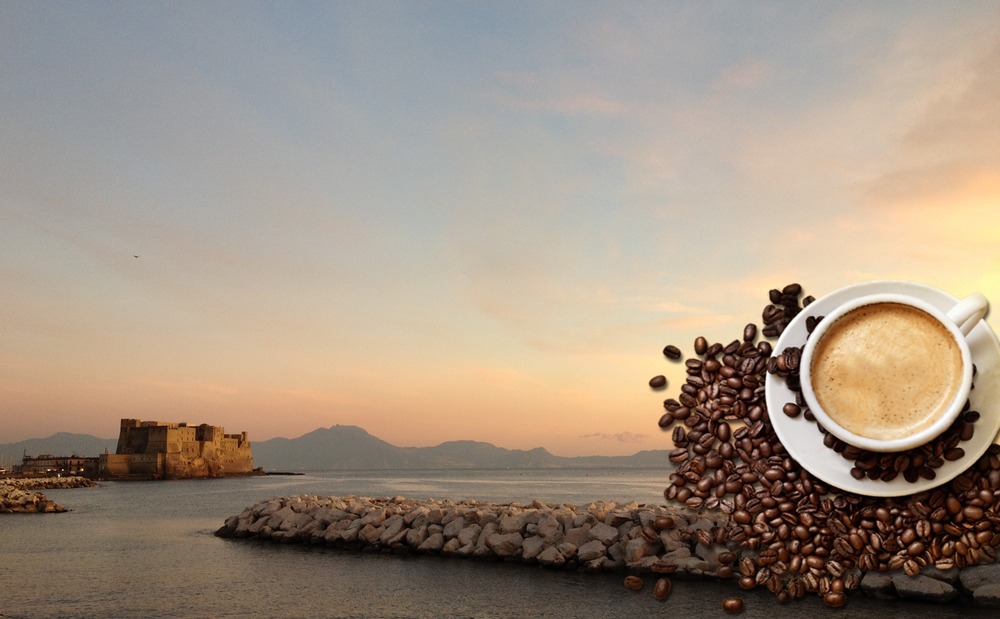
pixel 347 448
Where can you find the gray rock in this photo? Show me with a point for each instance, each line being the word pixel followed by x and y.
pixel 578 536
pixel 370 534
pixel 671 541
pixel 550 528
pixel 591 550
pixel 922 587
pixel 469 535
pixel 512 523
pixel 454 527
pixel 879 586
pixel 277 517
pixel 551 557
pixel 951 576
pixel 677 555
pixel 488 530
pixel 604 533
pixel 532 547
pixel 394 525
pixel 567 550
pixel 616 551
pixel 416 537
pixel 693 565
pixel 636 549
pixel 976 576
pixel 987 595
pixel 505 544
pixel 433 543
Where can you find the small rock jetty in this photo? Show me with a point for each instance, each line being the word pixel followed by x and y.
pixel 18 496
pixel 598 537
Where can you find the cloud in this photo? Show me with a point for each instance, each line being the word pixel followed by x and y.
pixel 950 147
pixel 621 437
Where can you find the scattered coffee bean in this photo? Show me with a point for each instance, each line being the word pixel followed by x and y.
pixel 633 582
pixel 835 599
pixel 672 352
pixel 661 590
pixel 791 409
pixel 658 382
pixel 732 605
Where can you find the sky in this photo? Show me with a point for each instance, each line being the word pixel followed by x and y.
pixel 462 221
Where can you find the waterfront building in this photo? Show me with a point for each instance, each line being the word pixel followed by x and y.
pixel 167 450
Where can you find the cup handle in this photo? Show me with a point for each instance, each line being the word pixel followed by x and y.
pixel 968 312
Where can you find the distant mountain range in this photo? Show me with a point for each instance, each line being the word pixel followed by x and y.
pixel 60 444
pixel 352 448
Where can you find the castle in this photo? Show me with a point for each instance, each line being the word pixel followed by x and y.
pixel 163 450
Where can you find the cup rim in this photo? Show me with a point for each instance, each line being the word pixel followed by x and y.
pixel 876 444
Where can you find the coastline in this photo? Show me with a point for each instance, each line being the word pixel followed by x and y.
pixel 601 537
pixel 18 494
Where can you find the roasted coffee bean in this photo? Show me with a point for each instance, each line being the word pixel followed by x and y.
pixel 661 590
pixel 726 558
pixel 672 352
pixel 664 567
pixel 633 582
pixel 732 605
pixel 700 345
pixel 792 409
pixel 664 523
pixel 750 332
pixel 835 599
pixel 658 382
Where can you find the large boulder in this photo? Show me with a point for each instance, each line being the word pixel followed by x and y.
pixel 923 588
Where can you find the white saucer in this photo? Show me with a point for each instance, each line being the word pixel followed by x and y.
pixel 804 442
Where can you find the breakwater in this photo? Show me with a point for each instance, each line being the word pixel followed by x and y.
pixel 658 541
pixel 19 496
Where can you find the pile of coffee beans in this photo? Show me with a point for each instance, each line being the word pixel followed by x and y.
pixel 792 533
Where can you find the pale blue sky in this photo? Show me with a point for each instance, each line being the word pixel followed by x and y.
pixel 459 220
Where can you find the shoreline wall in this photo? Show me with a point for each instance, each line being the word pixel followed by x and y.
pixel 18 496
pixel 599 537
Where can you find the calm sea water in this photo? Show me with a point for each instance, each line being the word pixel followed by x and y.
pixel 147 550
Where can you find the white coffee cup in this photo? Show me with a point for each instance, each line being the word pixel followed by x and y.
pixel 890 372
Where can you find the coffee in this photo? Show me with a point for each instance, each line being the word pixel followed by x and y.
pixel 886 370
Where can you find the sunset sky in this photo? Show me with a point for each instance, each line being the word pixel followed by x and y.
pixel 446 221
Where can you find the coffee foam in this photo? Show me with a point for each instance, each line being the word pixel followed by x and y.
pixel 886 370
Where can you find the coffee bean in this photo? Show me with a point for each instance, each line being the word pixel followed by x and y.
pixel 792 409
pixel 835 599
pixel 661 590
pixel 658 382
pixel 672 352
pixel 663 567
pixel 633 582
pixel 732 605
pixel 664 523
pixel 700 345
pixel 972 513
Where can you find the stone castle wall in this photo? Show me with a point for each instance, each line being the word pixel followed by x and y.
pixel 164 450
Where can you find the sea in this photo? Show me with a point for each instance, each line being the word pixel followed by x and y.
pixel 147 549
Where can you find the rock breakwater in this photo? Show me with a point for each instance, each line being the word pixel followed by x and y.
pixel 18 496
pixel 598 537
